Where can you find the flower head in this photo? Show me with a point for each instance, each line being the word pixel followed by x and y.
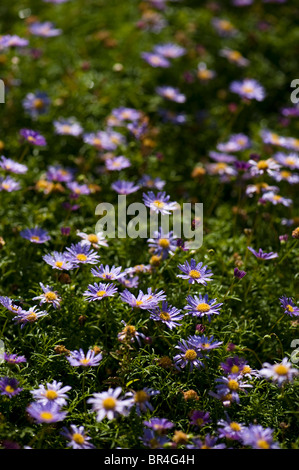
pixel 200 306
pixel 79 358
pixel 77 437
pixel 99 291
pixel 289 306
pixel 35 235
pixel 52 392
pixel 167 314
pixel 280 373
pixel 49 296
pixel 261 255
pixel 46 413
pixel 9 386
pixel 195 272
pixel 109 404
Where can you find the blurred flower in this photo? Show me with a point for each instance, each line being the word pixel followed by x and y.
pixel 280 372
pixel 261 255
pixel 35 235
pixel 79 358
pixel 109 404
pixel 9 386
pixel 76 436
pixel 249 89
pixel 48 413
pixel 36 103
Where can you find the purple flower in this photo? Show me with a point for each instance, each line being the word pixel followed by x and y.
pixel 261 255
pixel 10 165
pixel 159 203
pixel 289 306
pixel 81 254
pixel 126 114
pixel 189 355
pixel 239 273
pixel 162 244
pixel 143 301
pixel 29 316
pixel 49 296
pixel 117 163
pixel 270 196
pixel 60 174
pixel 9 184
pixel 78 189
pixel 153 440
pixel 36 103
pixel 52 392
pixel 199 418
pixel 68 126
pixel 195 272
pixel 107 273
pixel 45 29
pixel 78 358
pixel 94 239
pixel 9 386
pixel 169 50
pixel 48 413
pixel 230 386
pixel 140 399
pixel 77 437
pixel 124 187
pixel 155 60
pixel 159 425
pixel 279 373
pixel 35 235
pixel 208 443
pixel 13 40
pixel 59 261
pixel 99 291
pixel 33 137
pixel 152 183
pixel 108 404
pixel 199 306
pixel 258 437
pixel 167 314
pixel 203 343
pixel 171 93
pixel 249 89
pixel 129 334
pixel 13 358
pixel 10 305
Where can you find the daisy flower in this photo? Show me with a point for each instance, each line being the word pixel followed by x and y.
pixel 78 358
pixel 229 429
pixel 167 314
pixel 44 29
pixel 249 89
pixel 143 301
pixel 33 137
pixel 13 358
pixel 36 104
pixel 99 291
pixel 260 167
pixel 149 182
pixel 199 306
pixel 275 199
pixel 280 373
pixel 124 187
pixel 129 334
pixel 35 235
pixel 59 261
pixel 159 203
pixel 68 126
pixel 48 296
pixel 195 272
pixel 141 399
pixel 170 50
pixel 258 437
pixel 95 239
pixel 171 93
pixel 117 163
pixel 80 253
pixel 107 273
pixel 12 40
pixel 9 386
pixel 189 355
pixel 46 413
pixel 261 255
pixel 52 392
pixel 230 386
pixel 10 305
pixel 10 165
pixel 109 404
pixel 77 437
pixel 163 244
pixel 9 184
pixel 289 306
pixel 32 315
pixel 155 60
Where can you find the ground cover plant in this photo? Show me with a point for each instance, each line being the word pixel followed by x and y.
pixel 149 343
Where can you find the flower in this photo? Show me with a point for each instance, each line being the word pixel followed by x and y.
pixel 204 343
pixel 12 40
pixel 13 358
pixel 228 387
pixel 195 272
pixel 108 404
pixel 199 306
pixel 33 137
pixel 208 443
pixel 159 203
pixel 117 163
pixel 59 261
pixel 143 301
pixel 199 418
pixel 189 355
pixel 234 57
pixel 68 126
pixel 10 305
pixel 153 440
pixel 280 373
pixel 9 184
pixel 224 27
pixel 235 143
pixel 124 113
pixel 159 425
pixel 238 273
pixel 36 103
pixel 124 187
pixel 261 255
pixel 35 235
pixel 162 243
pixel 59 173
pixel 167 314
pixel 258 437
pixel 78 358
pixel 140 399
pixel 77 437
pixel 32 315
pixel 171 93
pixel 108 274
pixel 269 166
pixel 148 182
pixel 9 386
pixel 10 165
pixel 99 291
pixel 289 307
pixel 236 366
pixel 249 89
pixel 155 60
pixel 44 29
pixel 275 199
pixel 95 239
pixel 48 296
pixel 80 253
pixel 78 189
pixel 46 413
pixel 170 50
pixel 52 392
pixel 129 334
pixel 230 429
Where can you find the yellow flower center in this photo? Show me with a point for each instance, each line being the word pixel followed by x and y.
pixel 289 308
pixel 38 103
pixel 205 447
pixel 139 268
pixel 235 426
pixel 276 197
pixel 50 296
pixel 32 317
pixel 59 264
pixel 194 274
pixel 190 355
pixel 92 238
pixel 51 394
pixel 9 389
pixel 159 204
pixel 97 141
pixel 275 138
pixel 233 384
pixel 66 128
pixel 35 238
pixel 234 369
pixel 203 307
pixel 225 25
pixel 280 369
pixel 30 138
pixel 220 166
pixel 78 438
pixel 204 74
pixel 84 361
pixel 100 293
pixel 285 174
pixel 139 302
pixel 246 370
pixel 235 55
pixel 164 242
pixel 141 396
pixel 262 165
pixel 81 257
pixel 109 403
pixel 46 415
pixel 262 444
pixel 248 89
pixel 165 316
pixel 290 161
pixel 129 330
